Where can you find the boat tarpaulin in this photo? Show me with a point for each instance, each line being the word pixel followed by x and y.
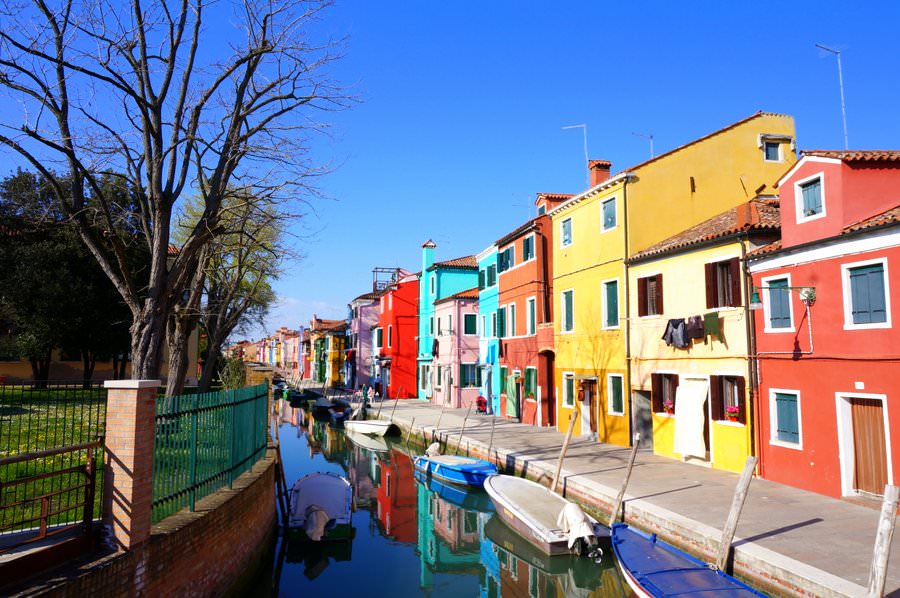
pixel 690 415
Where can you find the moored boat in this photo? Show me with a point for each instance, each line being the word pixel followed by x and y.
pixel 534 512
pixel 371 443
pixel 453 469
pixel 372 427
pixel 468 499
pixel 321 508
pixel 655 569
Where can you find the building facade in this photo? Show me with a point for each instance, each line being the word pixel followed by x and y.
pixel 488 344
pixel 455 367
pixel 395 361
pixel 359 367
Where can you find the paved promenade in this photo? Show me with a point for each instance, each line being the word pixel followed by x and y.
pixel 805 543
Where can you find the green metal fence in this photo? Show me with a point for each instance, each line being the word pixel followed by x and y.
pixel 204 442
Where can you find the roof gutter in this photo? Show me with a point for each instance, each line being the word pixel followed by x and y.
pixel 608 183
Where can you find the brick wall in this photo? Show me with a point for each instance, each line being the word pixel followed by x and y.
pixel 199 554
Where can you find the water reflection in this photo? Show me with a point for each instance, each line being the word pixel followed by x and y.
pixel 414 536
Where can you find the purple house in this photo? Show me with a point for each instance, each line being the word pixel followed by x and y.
pixel 364 313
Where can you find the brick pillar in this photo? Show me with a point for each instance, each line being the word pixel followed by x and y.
pixel 128 479
pixel 258 375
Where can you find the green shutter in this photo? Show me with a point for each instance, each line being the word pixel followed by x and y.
pixel 612 304
pixel 503 379
pixel 787 423
pixel 615 394
pixel 779 304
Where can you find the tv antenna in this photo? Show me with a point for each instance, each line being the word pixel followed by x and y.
pixel 841 83
pixel 583 128
pixel 648 137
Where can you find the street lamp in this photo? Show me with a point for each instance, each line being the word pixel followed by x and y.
pixel 807 295
pixel 841 82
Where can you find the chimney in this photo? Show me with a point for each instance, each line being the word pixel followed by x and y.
pixel 599 170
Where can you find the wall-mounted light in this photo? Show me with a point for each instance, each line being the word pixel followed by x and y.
pixel 807 295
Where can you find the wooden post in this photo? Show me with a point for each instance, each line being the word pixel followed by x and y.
pixel 491 443
pixel 878 571
pixel 463 430
pixel 396 402
pixel 565 447
pixel 737 504
pixel 437 427
pixel 408 434
pixel 617 506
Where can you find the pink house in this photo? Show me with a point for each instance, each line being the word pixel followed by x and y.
pixel 457 377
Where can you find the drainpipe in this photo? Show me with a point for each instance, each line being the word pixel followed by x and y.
pixel 753 363
pixel 627 326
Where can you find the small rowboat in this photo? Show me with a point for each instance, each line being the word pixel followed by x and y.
pixel 375 444
pixel 453 469
pixel 463 498
pixel 373 427
pixel 533 511
pixel 655 569
pixel 321 508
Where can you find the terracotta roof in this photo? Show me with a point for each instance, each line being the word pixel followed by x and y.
pixel 516 233
pixel 553 196
pixel 765 249
pixel 329 325
pixel 467 262
pixel 467 294
pixel 371 296
pixel 760 214
pixel 857 155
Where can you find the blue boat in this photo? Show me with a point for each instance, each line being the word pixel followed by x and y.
pixel 655 569
pixel 466 499
pixel 452 469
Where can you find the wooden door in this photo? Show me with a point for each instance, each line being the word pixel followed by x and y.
pixel 869 453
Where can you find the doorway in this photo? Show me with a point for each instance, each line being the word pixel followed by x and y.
pixel 587 393
pixel 642 418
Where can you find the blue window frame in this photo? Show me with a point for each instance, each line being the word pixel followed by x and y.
pixel 779 303
pixel 812 197
pixel 787 418
pixel 868 303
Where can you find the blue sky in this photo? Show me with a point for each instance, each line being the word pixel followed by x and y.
pixel 463 104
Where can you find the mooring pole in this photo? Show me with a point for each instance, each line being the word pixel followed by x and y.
pixel 562 453
pixel 437 427
pixel 737 504
pixel 408 434
pixel 396 402
pixel 878 571
pixel 491 443
pixel 617 506
pixel 463 430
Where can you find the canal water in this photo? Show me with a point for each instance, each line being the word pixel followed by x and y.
pixel 411 539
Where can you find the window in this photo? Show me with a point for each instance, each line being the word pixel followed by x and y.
pixel 866 295
pixel 484 330
pixel 723 283
pixel 726 396
pixel 440 327
pixel 431 325
pixel 663 391
pixel 531 316
pixel 504 372
pixel 809 197
pixel 542 210
pixel 772 151
pixel 616 394
pixel 611 304
pixel 494 325
pixel 778 304
pixel 378 337
pixel 423 377
pixel 511 325
pixel 506 259
pixel 567 311
pixel 491 275
pixel 433 283
pixel 470 324
pixel 785 414
pixel 568 390
pixel 438 376
pixel 469 375
pixel 650 295
pixel 391 301
pixel 609 214
pixel 501 322
pixel 450 324
pixel 390 335
pixel 528 248
pixel 530 382
pixel 566 232
pixel 481 279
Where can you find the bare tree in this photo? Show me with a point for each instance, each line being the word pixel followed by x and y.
pixel 109 88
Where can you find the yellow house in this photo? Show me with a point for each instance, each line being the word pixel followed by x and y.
pixel 619 216
pixel 690 332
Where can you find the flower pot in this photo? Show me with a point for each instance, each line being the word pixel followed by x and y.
pixel 733 418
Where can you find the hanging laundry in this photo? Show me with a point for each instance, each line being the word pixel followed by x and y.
pixel 695 327
pixel 711 323
pixel 675 334
pixel 434 348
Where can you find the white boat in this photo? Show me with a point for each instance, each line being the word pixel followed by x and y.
pixel 372 427
pixel 321 507
pixel 371 443
pixel 534 512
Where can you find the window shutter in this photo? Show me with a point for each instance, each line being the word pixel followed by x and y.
pixel 481 279
pixel 660 308
pixel 711 290
pixel 642 297
pixel 742 398
pixel 735 267
pixel 656 399
pixel 715 398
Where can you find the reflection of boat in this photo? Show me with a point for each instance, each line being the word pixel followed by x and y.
pixel 370 443
pixel 316 556
pixel 373 427
pixel 321 508
pixel 654 568
pixel 465 471
pixel 470 500
pixel 532 510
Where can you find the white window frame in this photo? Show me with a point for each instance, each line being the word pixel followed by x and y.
pixel 531 315
pixel 568 402
pixel 767 307
pixel 604 306
pixel 848 295
pixel 609 405
pixel 562 236
pixel 464 324
pixel 773 419
pixel 511 320
pixel 764 142
pixel 493 324
pixel 845 437
pixel 603 227
pixel 798 198
pixel 562 313
pixel 390 301
pixel 533 249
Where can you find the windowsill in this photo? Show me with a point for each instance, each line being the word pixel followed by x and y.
pixel 611 328
pixel 805 219
pixel 617 414
pixel 787 445
pixel 790 330
pixel 730 424
pixel 664 414
pixel 875 326
pixel 651 317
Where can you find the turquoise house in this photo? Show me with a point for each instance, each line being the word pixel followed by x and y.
pixel 489 344
pixel 438 280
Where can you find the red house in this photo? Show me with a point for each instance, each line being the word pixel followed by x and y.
pixel 396 346
pixel 826 347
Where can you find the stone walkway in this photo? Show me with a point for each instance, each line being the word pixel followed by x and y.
pixel 788 541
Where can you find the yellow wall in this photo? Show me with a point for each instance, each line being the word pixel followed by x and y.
pixel 684 295
pixel 728 167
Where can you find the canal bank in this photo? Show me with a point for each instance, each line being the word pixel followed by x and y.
pixel 788 542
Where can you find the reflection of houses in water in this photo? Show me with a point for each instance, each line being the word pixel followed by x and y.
pixel 396 495
pixel 334 445
pixel 448 537
pixel 364 492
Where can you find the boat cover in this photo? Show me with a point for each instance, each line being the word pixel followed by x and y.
pixel 327 491
pixel 574 523
pixel 316 521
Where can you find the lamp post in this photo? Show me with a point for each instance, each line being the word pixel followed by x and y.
pixel 841 82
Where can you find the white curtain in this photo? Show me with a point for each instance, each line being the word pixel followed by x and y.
pixel 690 414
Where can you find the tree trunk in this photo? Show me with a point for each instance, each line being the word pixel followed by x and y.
pixel 179 331
pixel 88 363
pixel 147 338
pixel 40 368
pixel 213 351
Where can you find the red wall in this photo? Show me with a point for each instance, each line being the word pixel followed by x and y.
pixel 401 312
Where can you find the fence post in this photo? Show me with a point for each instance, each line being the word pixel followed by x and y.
pixel 128 480
pixel 192 497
